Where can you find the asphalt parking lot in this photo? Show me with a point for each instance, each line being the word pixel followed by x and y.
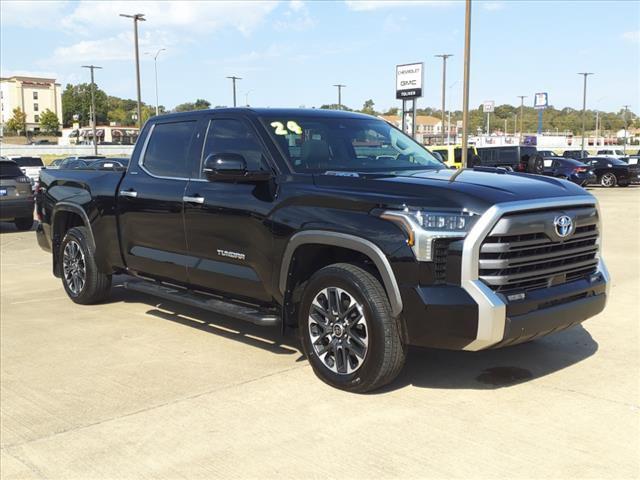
pixel 140 388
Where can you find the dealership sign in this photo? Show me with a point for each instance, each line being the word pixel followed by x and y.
pixel 409 80
pixel 541 100
pixel 488 106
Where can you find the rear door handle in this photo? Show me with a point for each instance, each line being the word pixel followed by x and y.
pixel 128 193
pixel 198 200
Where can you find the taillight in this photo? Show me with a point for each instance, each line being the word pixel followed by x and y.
pixel 580 170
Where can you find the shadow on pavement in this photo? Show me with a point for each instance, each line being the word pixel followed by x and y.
pixel 9 227
pixel 492 369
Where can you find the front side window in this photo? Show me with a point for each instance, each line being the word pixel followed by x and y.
pixel 167 152
pixel 318 144
pixel 234 136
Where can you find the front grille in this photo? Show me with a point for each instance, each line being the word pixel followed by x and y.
pixel 524 253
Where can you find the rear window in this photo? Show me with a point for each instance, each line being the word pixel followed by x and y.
pixel 29 162
pixel 9 170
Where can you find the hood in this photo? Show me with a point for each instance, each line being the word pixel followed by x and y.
pixel 477 190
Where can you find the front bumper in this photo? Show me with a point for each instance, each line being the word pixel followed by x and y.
pixel 18 208
pixel 473 317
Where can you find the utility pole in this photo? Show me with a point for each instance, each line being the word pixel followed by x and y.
pixel 138 17
pixel 155 67
pixel 233 79
pixel 584 106
pixel 444 57
pixel 340 87
pixel 93 107
pixel 521 97
pixel 626 110
pixel 465 91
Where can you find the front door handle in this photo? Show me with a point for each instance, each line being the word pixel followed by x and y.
pixel 198 200
pixel 128 193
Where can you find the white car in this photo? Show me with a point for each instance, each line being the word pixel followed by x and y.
pixel 30 166
pixel 611 153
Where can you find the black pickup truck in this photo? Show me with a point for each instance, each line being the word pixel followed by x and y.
pixel 334 223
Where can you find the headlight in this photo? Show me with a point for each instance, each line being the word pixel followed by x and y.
pixel 424 226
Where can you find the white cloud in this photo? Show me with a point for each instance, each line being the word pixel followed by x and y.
pixel 295 17
pixel 492 6
pixel 632 36
pixel 369 5
pixel 188 15
pixel 17 13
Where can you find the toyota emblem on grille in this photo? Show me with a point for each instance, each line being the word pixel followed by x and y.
pixel 564 225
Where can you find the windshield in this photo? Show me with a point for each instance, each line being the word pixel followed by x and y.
pixel 9 170
pixel 347 144
pixel 29 162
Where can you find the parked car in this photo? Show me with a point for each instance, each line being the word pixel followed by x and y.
pixel 42 142
pixel 547 153
pixel 518 158
pixel 55 163
pixel 30 166
pixel 611 153
pixel 575 154
pixel 119 164
pixel 612 171
pixel 334 223
pixel 73 163
pixel 569 169
pixel 452 154
pixel 16 196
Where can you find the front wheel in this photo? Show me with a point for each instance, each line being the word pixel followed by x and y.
pixel 608 180
pixel 82 280
pixel 347 329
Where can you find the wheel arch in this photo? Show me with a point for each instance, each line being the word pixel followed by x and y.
pixel 65 216
pixel 323 239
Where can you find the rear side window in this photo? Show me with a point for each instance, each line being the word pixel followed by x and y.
pixel 233 136
pixel 9 170
pixel 167 153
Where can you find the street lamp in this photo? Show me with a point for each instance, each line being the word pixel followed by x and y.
pixel 444 57
pixel 584 106
pixel 233 79
pixel 340 87
pixel 465 90
pixel 449 117
pixel 93 106
pixel 138 17
pixel 155 67
pixel 626 109
pixel 246 97
pixel 521 97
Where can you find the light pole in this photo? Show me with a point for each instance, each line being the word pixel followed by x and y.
pixel 138 17
pixel 449 119
pixel 584 107
pixel 465 90
pixel 233 79
pixel 521 97
pixel 626 110
pixel 444 57
pixel 340 87
pixel 93 107
pixel 246 97
pixel 155 67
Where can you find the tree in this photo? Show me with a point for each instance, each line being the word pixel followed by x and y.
pixel 199 104
pixel 335 106
pixel 368 108
pixel 49 122
pixel 391 111
pixel 76 99
pixel 18 122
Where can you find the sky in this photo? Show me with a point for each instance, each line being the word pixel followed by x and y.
pixel 291 53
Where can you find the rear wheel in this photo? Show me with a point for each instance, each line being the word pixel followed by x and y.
pixel 82 280
pixel 24 223
pixel 347 330
pixel 535 165
pixel 608 180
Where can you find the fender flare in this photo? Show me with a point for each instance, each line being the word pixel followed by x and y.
pixel 352 242
pixel 73 208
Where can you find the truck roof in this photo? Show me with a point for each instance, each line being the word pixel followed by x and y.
pixel 272 112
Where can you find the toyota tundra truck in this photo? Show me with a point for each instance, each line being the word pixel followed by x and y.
pixel 333 223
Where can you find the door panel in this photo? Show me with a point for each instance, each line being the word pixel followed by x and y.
pixel 228 233
pixel 150 201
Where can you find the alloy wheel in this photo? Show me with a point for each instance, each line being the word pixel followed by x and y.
pixel 608 180
pixel 338 330
pixel 74 267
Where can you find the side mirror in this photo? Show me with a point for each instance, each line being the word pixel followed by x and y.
pixel 231 167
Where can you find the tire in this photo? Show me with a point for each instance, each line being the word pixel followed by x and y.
pixel 24 223
pixel 535 165
pixel 370 329
pixel 608 180
pixel 80 276
pixel 623 184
